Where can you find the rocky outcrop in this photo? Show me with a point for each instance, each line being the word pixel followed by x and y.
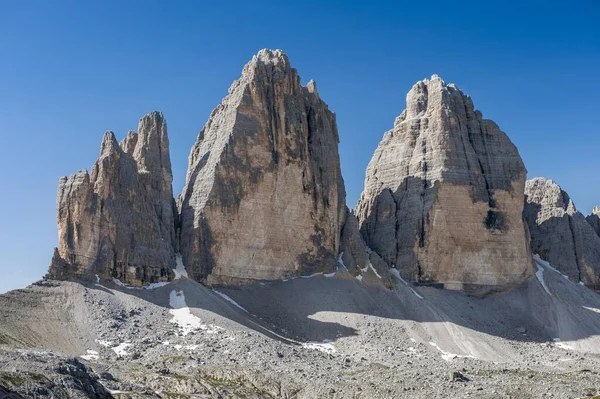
pixel 119 221
pixel 358 259
pixel 443 197
pixel 594 219
pixel 560 234
pixel 264 197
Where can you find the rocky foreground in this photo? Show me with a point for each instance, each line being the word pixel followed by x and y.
pixel 326 337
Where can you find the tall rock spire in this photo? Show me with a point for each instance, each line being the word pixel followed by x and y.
pixel 264 196
pixel 119 220
pixel 443 197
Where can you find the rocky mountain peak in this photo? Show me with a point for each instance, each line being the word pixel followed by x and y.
pixel 440 169
pixel 594 219
pixel 119 221
pixel 560 234
pixel 265 160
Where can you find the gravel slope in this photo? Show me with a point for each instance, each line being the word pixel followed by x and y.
pixel 302 338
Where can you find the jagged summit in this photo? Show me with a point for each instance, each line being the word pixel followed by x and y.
pixel 444 194
pixel 264 196
pixel 119 220
pixel 560 234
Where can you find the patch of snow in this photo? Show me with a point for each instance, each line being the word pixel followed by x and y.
pixel 325 346
pixel 313 275
pixel 374 271
pixel 540 276
pixel 340 261
pixel 121 349
pixel 191 347
pixel 155 285
pixel 546 264
pixel 178 347
pixel 396 274
pixel 447 356
pixel 592 309
pixel 119 283
pixel 166 343
pixel 581 283
pixel 91 355
pixel 561 345
pixel 228 299
pixel 185 320
pixel 329 275
pixel 359 277
pixel 416 293
pixel 97 278
pixel 107 344
pixel 180 269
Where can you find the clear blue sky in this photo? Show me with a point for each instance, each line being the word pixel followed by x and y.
pixel 69 70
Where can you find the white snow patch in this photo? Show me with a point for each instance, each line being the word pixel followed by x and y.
pixel 447 356
pixel 582 284
pixel 540 276
pixel 182 316
pixel 180 268
pixel 166 343
pixel 396 274
pixel 546 264
pixel 592 309
pixel 91 355
pixel 313 275
pixel 561 345
pixel 97 278
pixel 340 261
pixel 119 283
pixel 228 299
pixel 156 285
pixel 121 349
pixel 178 347
pixel 191 347
pixel 374 271
pixel 359 277
pixel 325 346
pixel 329 275
pixel 416 293
pixel 107 344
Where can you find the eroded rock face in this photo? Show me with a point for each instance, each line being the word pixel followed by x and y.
pixel 443 196
pixel 560 234
pixel 119 220
pixel 594 219
pixel 264 197
pixel 358 259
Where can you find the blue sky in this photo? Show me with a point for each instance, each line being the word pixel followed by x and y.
pixel 69 70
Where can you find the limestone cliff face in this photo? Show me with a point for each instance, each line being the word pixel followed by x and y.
pixel 119 220
pixel 443 197
pixel 264 197
pixel 594 219
pixel 358 259
pixel 560 234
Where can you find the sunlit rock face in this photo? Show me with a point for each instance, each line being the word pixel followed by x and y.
pixel 594 219
pixel 264 196
pixel 443 197
pixel 119 220
pixel 560 234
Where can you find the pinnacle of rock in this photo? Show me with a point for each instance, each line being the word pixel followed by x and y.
pixel 264 196
pixel 560 234
pixel 119 220
pixel 443 195
pixel 594 219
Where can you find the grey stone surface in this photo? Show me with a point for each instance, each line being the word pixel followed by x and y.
pixel 560 234
pixel 443 195
pixel 594 219
pixel 264 196
pixel 119 220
